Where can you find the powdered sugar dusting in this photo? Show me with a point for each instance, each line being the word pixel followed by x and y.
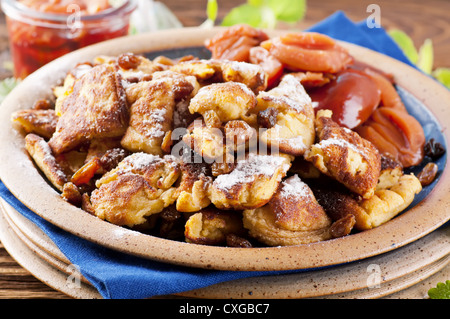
pixel 140 161
pixel 154 123
pixel 341 143
pixel 249 169
pixel 50 160
pixel 245 67
pixel 290 92
pixel 294 186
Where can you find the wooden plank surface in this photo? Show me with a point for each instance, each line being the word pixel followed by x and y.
pixel 420 19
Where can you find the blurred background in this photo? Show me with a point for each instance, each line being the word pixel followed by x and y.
pixel 420 20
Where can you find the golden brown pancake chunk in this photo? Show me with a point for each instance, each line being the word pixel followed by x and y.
pixel 239 136
pixel 292 129
pixel 135 68
pixel 291 217
pixel 39 122
pixel 140 186
pixel 43 156
pixel 152 106
pixel 345 156
pixel 66 88
pixel 203 70
pixel 211 226
pixel 205 141
pixel 208 71
pixel 96 108
pixel 385 204
pixel 252 75
pixel 222 102
pixel 252 182
pixel 193 188
pixel 391 171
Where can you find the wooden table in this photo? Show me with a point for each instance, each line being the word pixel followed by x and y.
pixel 420 19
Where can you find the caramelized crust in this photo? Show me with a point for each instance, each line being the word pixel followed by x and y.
pixel 39 122
pixel 193 188
pixel 385 204
pixel 293 132
pixel 96 108
pixel 61 92
pixel 140 186
pixel 43 156
pixel 345 156
pixel 152 109
pixel 292 217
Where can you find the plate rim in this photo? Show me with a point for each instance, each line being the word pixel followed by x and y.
pixel 311 256
pixel 266 287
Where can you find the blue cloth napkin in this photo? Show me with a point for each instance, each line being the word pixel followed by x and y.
pixel 120 276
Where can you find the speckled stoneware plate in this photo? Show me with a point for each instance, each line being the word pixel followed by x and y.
pixel 427 100
pixel 376 277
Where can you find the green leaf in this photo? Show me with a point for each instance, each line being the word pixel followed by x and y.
pixel 245 13
pixel 443 76
pixel 256 3
pixel 442 291
pixel 212 9
pixel 6 86
pixel 268 18
pixel 426 57
pixel 406 44
pixel 288 10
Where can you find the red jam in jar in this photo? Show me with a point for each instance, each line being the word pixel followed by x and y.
pixel 41 31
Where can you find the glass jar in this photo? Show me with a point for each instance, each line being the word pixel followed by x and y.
pixel 41 33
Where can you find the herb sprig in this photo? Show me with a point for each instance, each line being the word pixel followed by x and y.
pixel 441 291
pixel 259 13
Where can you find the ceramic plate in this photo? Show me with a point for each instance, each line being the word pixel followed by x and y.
pixel 425 98
pixel 397 270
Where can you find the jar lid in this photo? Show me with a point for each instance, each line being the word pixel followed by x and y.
pixel 18 11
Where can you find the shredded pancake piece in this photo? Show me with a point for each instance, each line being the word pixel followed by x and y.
pixel 292 131
pixel 140 186
pixel 43 156
pixel 152 105
pixel 96 108
pixel 292 217
pixel 345 156
pixel 211 226
pixel 252 182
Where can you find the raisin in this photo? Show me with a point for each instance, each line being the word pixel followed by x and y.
pixel 236 241
pixel 43 105
pixel 268 117
pixel 128 61
pixel 433 149
pixel 428 174
pixel 222 168
pixel 343 226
